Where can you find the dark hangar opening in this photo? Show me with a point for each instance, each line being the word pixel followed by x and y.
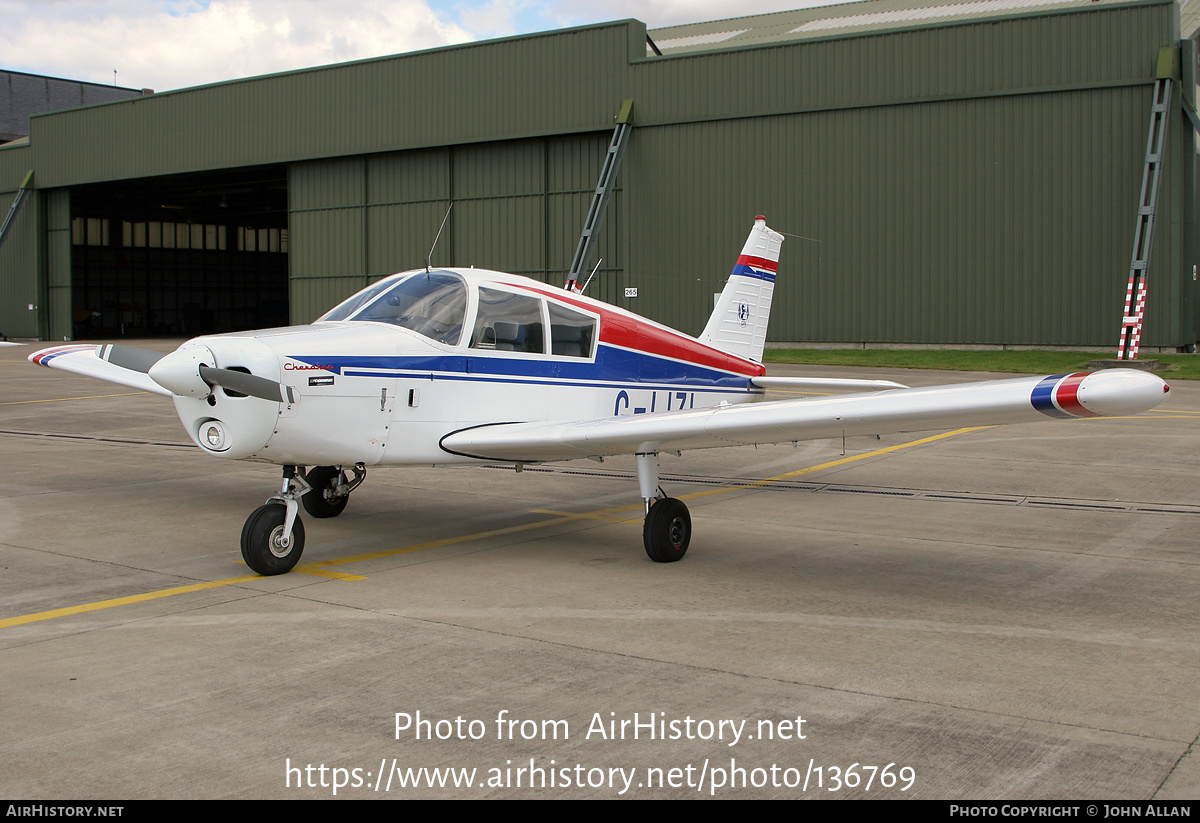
pixel 181 255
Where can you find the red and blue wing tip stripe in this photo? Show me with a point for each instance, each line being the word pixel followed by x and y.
pixel 43 358
pixel 750 266
pixel 1058 396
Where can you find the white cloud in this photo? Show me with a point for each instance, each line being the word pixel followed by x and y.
pixel 166 44
pixel 189 43
pixel 661 13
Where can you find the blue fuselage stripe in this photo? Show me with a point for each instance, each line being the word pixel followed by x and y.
pixel 613 368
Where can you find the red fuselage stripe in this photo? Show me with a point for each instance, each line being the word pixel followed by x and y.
pixel 619 330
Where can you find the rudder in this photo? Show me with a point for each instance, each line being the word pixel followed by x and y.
pixel 738 324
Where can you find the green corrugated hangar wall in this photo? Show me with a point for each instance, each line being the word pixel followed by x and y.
pixel 957 184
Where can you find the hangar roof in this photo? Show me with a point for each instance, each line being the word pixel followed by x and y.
pixel 864 17
pixel 481 92
pixel 1189 18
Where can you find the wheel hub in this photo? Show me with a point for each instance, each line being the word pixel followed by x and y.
pixel 280 545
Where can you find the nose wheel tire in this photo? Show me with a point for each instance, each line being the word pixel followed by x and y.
pixel 263 547
pixel 667 530
pixel 322 501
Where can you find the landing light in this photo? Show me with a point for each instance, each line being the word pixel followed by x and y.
pixel 212 435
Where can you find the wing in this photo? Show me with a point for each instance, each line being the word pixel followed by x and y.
pixel 1021 400
pixel 84 359
pixel 822 383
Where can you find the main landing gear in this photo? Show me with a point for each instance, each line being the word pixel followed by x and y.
pixel 668 527
pixel 273 537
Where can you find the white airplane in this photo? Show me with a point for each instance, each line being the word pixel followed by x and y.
pixel 456 366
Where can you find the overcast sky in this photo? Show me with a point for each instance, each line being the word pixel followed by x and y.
pixel 169 44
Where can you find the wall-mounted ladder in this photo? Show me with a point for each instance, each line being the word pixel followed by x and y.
pixel 15 209
pixel 1143 236
pixel 604 190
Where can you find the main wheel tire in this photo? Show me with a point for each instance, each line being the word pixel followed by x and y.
pixel 262 546
pixel 667 530
pixel 321 501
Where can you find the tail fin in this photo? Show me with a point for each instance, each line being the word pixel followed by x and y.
pixel 739 322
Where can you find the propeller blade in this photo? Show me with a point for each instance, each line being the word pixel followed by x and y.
pixel 129 357
pixel 249 384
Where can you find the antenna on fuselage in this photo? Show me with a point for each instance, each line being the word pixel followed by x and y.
pixel 429 256
pixel 595 269
pixel 572 284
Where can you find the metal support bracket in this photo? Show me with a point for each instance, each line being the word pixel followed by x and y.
pixel 295 486
pixel 647 472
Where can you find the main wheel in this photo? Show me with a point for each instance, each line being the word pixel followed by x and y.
pixel 667 530
pixel 322 501
pixel 263 547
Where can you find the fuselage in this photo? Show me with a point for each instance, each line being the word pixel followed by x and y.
pixel 385 376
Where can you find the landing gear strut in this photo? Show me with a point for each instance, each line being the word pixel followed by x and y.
pixel 668 527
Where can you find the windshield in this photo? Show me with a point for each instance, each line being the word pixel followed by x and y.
pixel 356 301
pixel 429 303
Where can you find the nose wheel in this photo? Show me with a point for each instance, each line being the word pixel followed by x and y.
pixel 268 545
pixel 273 536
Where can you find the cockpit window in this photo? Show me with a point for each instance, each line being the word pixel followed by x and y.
pixel 429 303
pixel 571 333
pixel 508 322
pixel 356 301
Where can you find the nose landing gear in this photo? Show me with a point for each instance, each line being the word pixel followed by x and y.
pixel 273 536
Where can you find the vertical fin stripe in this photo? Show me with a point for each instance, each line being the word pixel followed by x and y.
pixel 758 262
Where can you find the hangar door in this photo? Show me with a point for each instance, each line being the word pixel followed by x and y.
pixel 180 255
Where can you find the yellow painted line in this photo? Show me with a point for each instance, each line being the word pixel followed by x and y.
pixel 589 516
pixel 467 538
pixel 62 399
pixel 1144 416
pixel 123 601
pixel 316 570
pixel 834 463
pixel 319 568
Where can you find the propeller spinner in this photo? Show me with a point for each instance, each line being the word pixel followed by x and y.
pixel 187 372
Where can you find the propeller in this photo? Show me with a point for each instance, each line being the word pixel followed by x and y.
pixel 245 383
pixel 185 372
